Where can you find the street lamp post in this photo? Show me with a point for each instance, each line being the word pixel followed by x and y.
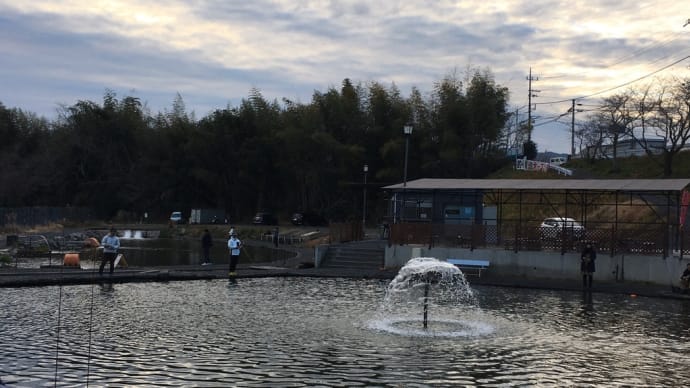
pixel 407 130
pixel 364 200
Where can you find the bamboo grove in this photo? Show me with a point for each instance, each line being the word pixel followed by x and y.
pixel 119 158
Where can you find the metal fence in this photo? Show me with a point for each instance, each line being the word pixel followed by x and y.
pixel 345 231
pixel 647 239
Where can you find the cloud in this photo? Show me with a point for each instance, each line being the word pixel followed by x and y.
pixel 213 52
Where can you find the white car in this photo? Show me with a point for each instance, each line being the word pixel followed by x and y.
pixel 555 227
pixel 176 217
pixel 557 160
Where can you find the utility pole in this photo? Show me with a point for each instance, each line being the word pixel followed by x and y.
pixel 572 128
pixel 529 103
pixel 518 145
pixel 572 132
pixel 518 138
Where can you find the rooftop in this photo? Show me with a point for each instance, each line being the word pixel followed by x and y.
pixel 545 184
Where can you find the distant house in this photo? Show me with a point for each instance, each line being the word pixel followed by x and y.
pixel 626 148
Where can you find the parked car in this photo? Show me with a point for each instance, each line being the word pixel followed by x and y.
pixel 265 218
pixel 553 228
pixel 308 218
pixel 176 218
pixel 558 160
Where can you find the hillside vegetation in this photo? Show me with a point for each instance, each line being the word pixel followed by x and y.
pixel 628 212
pixel 642 167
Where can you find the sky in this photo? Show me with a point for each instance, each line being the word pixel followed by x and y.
pixel 214 52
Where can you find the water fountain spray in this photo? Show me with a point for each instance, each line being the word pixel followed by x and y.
pixel 430 282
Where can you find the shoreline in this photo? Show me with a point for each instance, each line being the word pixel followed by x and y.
pixel 11 277
pixel 62 276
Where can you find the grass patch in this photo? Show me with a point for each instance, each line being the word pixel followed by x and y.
pixel 633 167
pixel 641 167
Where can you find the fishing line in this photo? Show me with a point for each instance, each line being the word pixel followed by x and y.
pixel 57 344
pixel 93 286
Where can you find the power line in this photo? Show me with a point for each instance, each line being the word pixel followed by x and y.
pixel 616 87
pixel 638 79
pixel 551 119
pixel 665 41
pixel 645 49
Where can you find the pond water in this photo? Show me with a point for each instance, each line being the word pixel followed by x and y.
pixel 163 252
pixel 151 252
pixel 283 332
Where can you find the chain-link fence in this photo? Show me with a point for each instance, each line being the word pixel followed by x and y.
pixel 647 239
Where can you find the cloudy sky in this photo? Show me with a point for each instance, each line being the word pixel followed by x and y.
pixel 213 52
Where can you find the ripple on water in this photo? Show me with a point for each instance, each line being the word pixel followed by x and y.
pixel 307 332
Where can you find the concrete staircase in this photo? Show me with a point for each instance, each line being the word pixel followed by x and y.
pixel 367 254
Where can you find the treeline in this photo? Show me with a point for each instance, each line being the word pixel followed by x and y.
pixel 118 158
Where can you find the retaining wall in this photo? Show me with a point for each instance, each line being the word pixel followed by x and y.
pixel 552 265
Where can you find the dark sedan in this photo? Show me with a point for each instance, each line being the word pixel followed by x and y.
pixel 265 218
pixel 308 218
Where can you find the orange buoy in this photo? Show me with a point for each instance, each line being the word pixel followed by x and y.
pixel 71 260
pixel 633 295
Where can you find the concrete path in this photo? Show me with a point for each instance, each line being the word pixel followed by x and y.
pixel 21 277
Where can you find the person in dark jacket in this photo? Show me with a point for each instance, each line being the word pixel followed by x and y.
pixel 587 267
pixel 685 278
pixel 206 244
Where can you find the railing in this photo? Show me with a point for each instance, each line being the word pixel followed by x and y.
pixel 37 245
pixel 561 170
pixel 533 165
pixel 648 239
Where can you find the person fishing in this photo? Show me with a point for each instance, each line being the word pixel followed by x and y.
pixel 685 278
pixel 587 267
pixel 234 245
pixel 111 244
pixel 206 244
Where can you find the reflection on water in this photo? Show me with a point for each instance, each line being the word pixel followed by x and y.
pixel 160 252
pixel 165 252
pixel 307 332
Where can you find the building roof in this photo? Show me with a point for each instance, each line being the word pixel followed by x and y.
pixel 545 184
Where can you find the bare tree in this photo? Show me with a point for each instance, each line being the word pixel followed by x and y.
pixel 657 111
pixel 666 115
pixel 591 137
pixel 618 117
pixel 614 120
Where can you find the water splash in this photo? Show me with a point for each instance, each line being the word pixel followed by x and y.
pixel 448 283
pixel 129 234
pixel 429 297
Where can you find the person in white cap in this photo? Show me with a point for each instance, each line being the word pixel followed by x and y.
pixel 234 245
